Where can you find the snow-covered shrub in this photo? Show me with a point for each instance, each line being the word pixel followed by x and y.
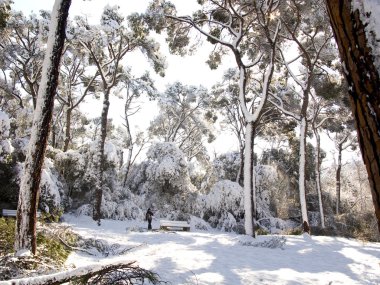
pixel 5 144
pixel 77 168
pixel 268 242
pixel 52 190
pixel 72 166
pixel 266 178
pixel 167 167
pixel 84 210
pixel 168 184
pixel 223 206
pixel 227 165
pixel 199 224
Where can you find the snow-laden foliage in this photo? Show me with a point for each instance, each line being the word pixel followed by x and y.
pixel 167 167
pixel 168 184
pixel 223 206
pixel 5 144
pixel 227 165
pixel 52 190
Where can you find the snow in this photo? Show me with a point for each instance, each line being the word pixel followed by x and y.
pixel 369 14
pixel 212 257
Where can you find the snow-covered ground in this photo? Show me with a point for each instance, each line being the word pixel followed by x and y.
pixel 211 257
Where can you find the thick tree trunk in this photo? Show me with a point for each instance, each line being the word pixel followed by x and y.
pixel 29 189
pixel 318 176
pixel 363 78
pixel 100 160
pixel 337 177
pixel 302 175
pixel 253 179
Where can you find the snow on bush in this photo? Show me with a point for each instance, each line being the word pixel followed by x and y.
pixel 223 206
pixel 266 177
pixel 167 165
pixel 168 184
pixel 5 144
pixel 267 242
pixel 52 190
pixel 199 224
pixel 226 196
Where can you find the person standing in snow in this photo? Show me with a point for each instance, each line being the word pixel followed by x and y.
pixel 148 217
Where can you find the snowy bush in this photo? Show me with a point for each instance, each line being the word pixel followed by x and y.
pixel 72 166
pixel 5 144
pixel 223 206
pixel 167 167
pixel 199 224
pixel 52 190
pixel 168 184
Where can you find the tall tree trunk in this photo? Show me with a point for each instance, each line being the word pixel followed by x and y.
pixel 129 149
pixel 248 173
pixel 364 80
pixel 302 175
pixel 253 179
pixel 318 163
pixel 337 179
pixel 240 174
pixel 67 129
pixel 100 159
pixel 25 238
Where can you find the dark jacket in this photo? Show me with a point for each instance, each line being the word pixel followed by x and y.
pixel 148 215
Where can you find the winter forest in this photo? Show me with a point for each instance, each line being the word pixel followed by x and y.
pixel 275 148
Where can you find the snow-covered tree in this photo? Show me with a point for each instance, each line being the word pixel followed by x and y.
pixel 22 50
pixel 234 27
pixel 135 88
pixel 114 40
pixel 168 183
pixel 312 37
pixel 73 88
pixel 182 119
pixel 355 25
pixel 29 189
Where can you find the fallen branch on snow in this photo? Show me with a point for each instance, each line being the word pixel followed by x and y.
pixel 101 274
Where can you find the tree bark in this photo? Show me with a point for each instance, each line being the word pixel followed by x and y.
pixel 100 159
pixel 129 146
pixel 364 92
pixel 337 179
pixel 318 163
pixel 248 176
pixel 25 238
pixel 67 129
pixel 302 175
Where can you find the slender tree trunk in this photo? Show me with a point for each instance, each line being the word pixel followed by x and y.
pixel 302 175
pixel 129 149
pixel 318 163
pixel 67 129
pixel 100 159
pixel 248 173
pixel 25 238
pixel 240 174
pixel 338 183
pixel 364 81
pixel 53 137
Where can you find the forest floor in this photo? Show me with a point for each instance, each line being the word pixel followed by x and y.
pixel 213 257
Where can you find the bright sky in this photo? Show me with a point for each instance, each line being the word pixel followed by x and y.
pixel 191 70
